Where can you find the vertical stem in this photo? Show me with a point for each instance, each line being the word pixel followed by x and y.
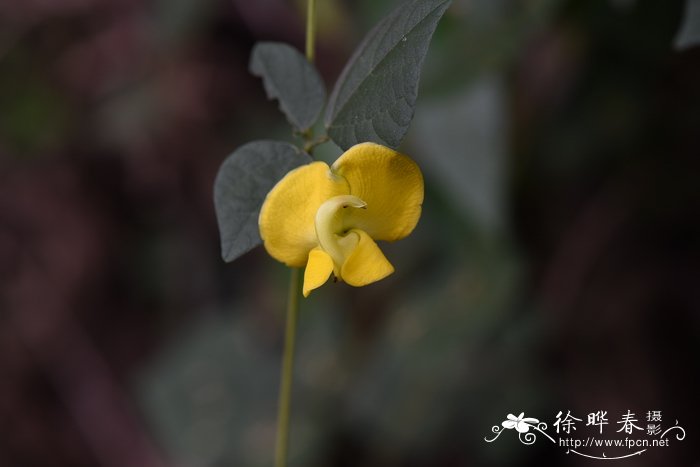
pixel 285 395
pixel 310 30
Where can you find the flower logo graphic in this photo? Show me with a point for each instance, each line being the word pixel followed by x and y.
pixel 521 424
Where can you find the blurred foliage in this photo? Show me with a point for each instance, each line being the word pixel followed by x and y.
pixel 689 33
pixel 462 141
pixel 35 116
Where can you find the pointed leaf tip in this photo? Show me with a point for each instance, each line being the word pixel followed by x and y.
pixel 375 95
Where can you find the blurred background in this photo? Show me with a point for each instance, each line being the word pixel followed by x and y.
pixel 556 265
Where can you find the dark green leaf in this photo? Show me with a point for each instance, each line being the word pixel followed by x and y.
pixel 289 77
pixel 243 181
pixel 689 34
pixel 375 96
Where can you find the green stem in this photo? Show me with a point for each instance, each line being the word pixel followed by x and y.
pixel 310 30
pixel 311 144
pixel 285 396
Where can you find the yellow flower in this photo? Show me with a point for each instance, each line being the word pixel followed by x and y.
pixel 328 218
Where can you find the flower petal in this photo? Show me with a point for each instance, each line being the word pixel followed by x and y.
pixel 522 427
pixel 287 215
pixel 365 263
pixel 509 424
pixel 390 183
pixel 318 269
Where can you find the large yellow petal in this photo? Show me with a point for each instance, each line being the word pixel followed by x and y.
pixel 390 183
pixel 318 269
pixel 365 263
pixel 288 213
